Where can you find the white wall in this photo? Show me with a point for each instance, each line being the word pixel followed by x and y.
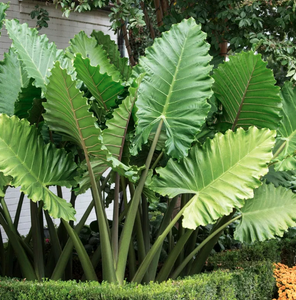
pixel 12 196
pixel 60 31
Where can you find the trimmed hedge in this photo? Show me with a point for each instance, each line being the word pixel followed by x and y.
pixel 255 282
pixel 246 256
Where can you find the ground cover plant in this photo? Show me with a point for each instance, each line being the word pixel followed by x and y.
pixel 165 131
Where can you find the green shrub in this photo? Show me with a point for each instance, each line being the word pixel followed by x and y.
pixel 255 282
pixel 246 256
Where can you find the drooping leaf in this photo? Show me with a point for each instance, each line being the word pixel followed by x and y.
pixel 121 63
pixel 34 166
pixel 67 112
pixel 88 48
pixel 221 173
pixel 102 87
pixel 4 181
pixel 246 89
pixel 270 213
pixel 176 87
pixel 286 141
pixel 3 8
pixel 35 52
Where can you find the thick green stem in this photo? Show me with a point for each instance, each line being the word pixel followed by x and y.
pixel 67 251
pixel 181 230
pixel 107 257
pixel 171 259
pixel 82 254
pixel 164 223
pixel 132 212
pixel 54 239
pixel 157 160
pixel 279 150
pixel 26 267
pixel 115 224
pixel 154 249
pixel 204 242
pixel 18 210
pixel 189 248
pixel 2 256
pixel 203 254
pixel 38 240
pixel 145 223
pixel 132 260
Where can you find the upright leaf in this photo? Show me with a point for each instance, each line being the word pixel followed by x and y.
pixel 270 213
pixel 67 112
pixel 286 141
pixel 221 173
pixel 114 136
pixel 121 63
pixel 34 166
pixel 176 87
pixel 12 79
pixel 102 86
pixel 246 89
pixel 88 48
pixel 36 53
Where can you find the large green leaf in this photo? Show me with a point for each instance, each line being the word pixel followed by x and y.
pixel 121 63
pixel 12 79
pixel 286 141
pixel 34 166
pixel 102 86
pixel 221 173
pixel 270 213
pixel 176 87
pixel 36 53
pixel 88 48
pixel 67 112
pixel 246 89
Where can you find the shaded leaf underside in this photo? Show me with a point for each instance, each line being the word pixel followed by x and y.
pixel 246 89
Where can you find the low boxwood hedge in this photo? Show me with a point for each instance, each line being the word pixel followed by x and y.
pixel 255 282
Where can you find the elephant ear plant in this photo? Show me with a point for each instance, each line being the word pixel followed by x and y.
pixel 82 118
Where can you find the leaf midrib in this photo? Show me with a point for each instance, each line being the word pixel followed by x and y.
pixel 243 99
pixel 167 102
